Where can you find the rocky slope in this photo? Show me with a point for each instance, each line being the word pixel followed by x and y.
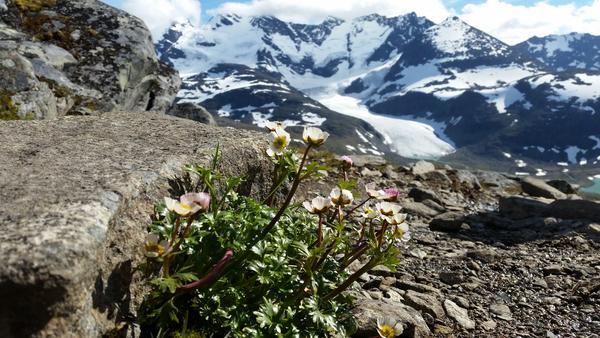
pixel 77 58
pixel 574 52
pixel 490 255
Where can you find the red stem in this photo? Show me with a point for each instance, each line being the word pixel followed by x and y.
pixel 320 233
pixel 211 276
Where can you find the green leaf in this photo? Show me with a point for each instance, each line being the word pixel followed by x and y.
pixel 348 185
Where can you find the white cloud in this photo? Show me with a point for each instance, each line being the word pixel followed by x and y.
pixel 501 18
pixel 314 11
pixel 160 14
pixel 516 23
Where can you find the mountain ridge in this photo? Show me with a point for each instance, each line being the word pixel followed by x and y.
pixel 456 86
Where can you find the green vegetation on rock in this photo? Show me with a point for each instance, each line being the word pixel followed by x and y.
pixel 8 108
pixel 34 5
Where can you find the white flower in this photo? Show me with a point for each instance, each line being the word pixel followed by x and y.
pixel 318 205
pixel 369 213
pixel 402 232
pixel 397 219
pixel 389 328
pixel 341 196
pixel 280 141
pixel 387 208
pixel 189 204
pixel 314 136
pixel 153 248
pixel 273 126
pixel 373 192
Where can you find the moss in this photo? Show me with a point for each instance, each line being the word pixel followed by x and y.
pixel 8 108
pixel 34 5
pixel 40 27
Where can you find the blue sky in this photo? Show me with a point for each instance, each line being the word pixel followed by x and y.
pixel 512 21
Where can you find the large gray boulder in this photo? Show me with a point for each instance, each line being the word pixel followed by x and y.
pixel 539 188
pixel 520 207
pixel 77 194
pixel 78 57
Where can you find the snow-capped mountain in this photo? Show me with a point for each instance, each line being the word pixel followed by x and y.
pixel 571 52
pixel 403 85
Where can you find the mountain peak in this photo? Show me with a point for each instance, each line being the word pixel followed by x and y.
pixel 454 36
pixel 455 22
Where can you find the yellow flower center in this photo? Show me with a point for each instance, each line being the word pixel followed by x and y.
pixel 186 206
pixel 154 247
pixel 280 142
pixel 387 331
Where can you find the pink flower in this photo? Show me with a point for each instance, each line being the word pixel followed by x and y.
pixel 387 194
pixel 390 194
pixel 189 204
pixel 346 161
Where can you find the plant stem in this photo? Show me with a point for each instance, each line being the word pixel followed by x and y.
pixel 333 216
pixel 287 202
pixel 185 231
pixel 358 206
pixel 382 232
pixel 372 263
pixel 228 265
pixel 325 254
pixel 175 230
pixel 355 255
pixel 167 260
pixel 211 276
pixel 269 200
pixel 320 233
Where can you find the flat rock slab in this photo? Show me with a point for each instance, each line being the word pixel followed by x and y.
pixel 76 196
pixel 539 188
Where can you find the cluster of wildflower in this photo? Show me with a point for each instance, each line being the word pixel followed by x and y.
pixel 378 206
pixel 377 219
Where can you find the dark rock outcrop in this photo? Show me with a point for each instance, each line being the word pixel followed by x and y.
pixel 575 209
pixel 78 57
pixel 519 207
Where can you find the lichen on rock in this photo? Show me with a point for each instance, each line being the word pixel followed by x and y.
pixel 81 57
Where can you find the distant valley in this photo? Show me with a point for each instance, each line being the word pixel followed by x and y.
pixel 402 87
